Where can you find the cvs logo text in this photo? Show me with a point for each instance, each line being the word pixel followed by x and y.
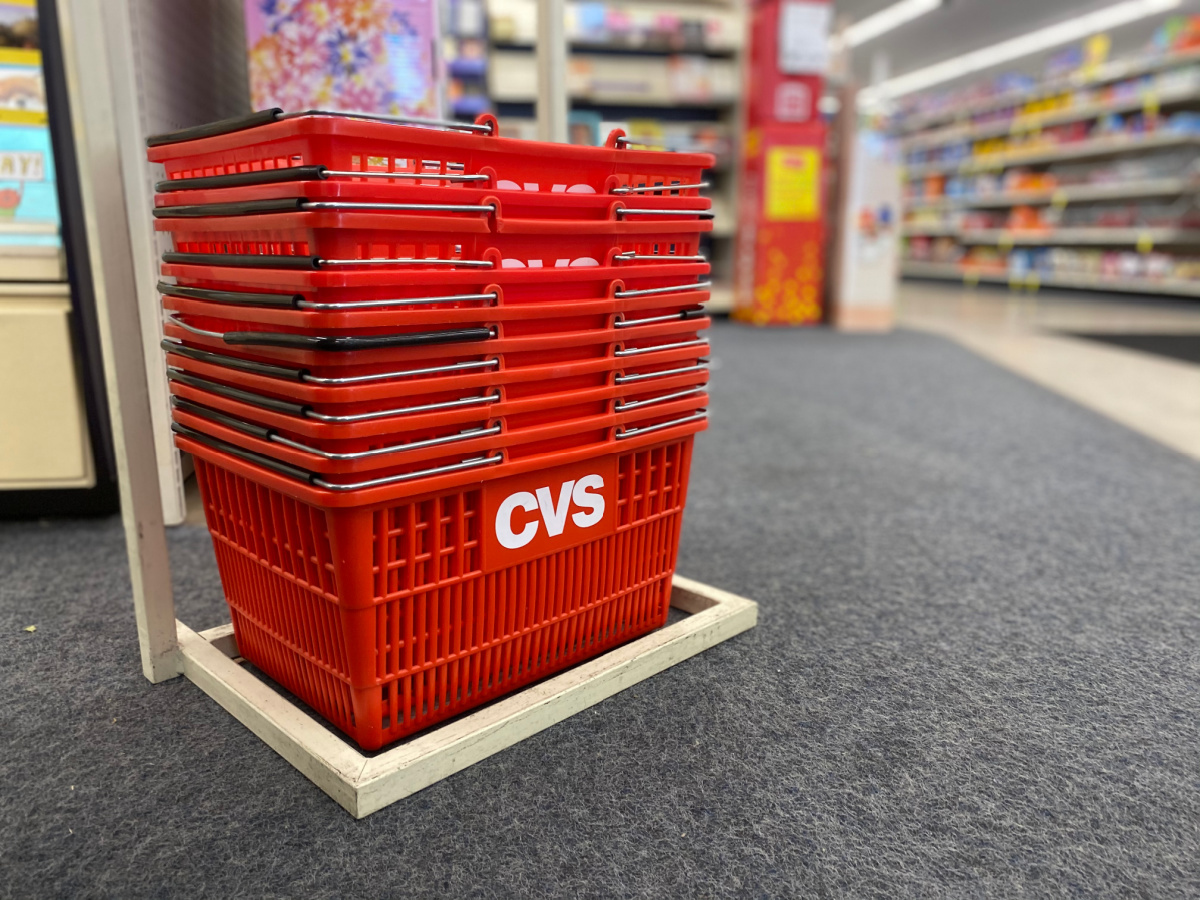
pixel 541 512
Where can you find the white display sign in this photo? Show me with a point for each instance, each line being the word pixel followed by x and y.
pixel 803 37
pixel 870 232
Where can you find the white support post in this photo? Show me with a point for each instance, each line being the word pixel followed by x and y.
pixel 552 72
pixel 93 121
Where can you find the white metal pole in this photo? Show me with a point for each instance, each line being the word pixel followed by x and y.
pixel 552 72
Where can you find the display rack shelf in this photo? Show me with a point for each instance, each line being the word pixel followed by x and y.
pixel 1101 237
pixel 1142 166
pixel 1114 71
pixel 953 272
pixel 1089 149
pixel 1150 99
pixel 1062 196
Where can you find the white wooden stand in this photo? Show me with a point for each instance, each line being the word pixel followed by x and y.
pixel 362 784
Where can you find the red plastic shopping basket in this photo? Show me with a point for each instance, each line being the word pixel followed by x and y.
pixel 284 438
pixel 348 146
pixel 441 389
pixel 391 608
pixel 346 237
pixel 362 384
pixel 450 345
pixel 442 307
pixel 394 418
pixel 549 280
pixel 518 204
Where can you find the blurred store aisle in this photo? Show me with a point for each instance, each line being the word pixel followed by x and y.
pixel 1135 360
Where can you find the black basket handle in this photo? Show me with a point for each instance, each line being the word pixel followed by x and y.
pixel 340 343
pixel 204 412
pixel 242 179
pixel 291 174
pixel 244 260
pixel 312 478
pixel 212 129
pixel 222 390
pixel 232 298
pixel 233 362
pixel 259 459
pixel 241 208
pixel 310 263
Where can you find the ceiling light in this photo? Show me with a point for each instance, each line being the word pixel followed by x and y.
pixel 885 20
pixel 1006 51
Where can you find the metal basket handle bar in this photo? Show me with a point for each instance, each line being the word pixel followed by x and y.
pixel 699 213
pixel 665 373
pixel 622 406
pixel 297 173
pixel 659 188
pixel 461 403
pixel 638 351
pixel 408 261
pixel 623 433
pixel 300 204
pixel 339 343
pixel 267 116
pixel 269 434
pixel 307 412
pixel 403 373
pixel 405 301
pixel 631 256
pixel 671 289
pixel 312 478
pixel 417 207
pixel 443 124
pixel 268 261
pixel 297 301
pixel 622 322
pixel 303 375
pixel 626 141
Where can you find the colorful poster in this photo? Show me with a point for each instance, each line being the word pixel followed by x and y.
pixel 375 56
pixel 29 214
pixel 793 190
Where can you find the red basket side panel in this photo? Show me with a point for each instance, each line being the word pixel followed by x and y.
pixel 439 635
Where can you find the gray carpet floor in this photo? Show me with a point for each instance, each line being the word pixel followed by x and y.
pixel 976 674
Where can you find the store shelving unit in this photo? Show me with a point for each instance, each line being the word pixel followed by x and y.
pixel 1090 149
pixel 1111 72
pixel 1032 281
pixel 680 90
pixel 1085 181
pixel 1150 187
pixel 1103 237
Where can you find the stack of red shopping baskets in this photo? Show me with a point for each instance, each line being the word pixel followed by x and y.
pixel 441 389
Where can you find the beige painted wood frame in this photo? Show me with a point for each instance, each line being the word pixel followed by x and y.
pixel 362 784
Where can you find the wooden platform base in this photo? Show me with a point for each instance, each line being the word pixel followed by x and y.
pixel 364 784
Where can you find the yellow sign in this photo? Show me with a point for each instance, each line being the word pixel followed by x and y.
pixel 793 184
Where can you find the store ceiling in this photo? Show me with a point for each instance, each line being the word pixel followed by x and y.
pixel 964 25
